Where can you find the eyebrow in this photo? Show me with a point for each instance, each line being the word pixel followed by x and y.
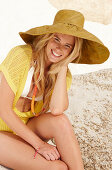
pixel 60 39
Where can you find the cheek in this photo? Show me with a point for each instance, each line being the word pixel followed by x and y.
pixel 51 44
pixel 67 52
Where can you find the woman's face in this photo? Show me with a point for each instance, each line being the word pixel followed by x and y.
pixel 59 47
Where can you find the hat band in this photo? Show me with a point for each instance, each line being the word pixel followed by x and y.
pixel 70 24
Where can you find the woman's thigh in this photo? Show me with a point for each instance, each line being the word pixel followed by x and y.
pixel 15 153
pixel 43 125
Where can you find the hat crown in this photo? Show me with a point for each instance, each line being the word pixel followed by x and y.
pixel 69 16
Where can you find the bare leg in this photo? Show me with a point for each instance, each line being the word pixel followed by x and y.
pixel 17 154
pixel 67 143
pixel 48 126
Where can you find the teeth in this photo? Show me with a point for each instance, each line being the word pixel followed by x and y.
pixel 55 54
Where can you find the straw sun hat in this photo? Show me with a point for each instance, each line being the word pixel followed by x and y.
pixel 71 22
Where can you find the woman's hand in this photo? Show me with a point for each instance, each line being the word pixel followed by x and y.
pixel 72 59
pixel 63 70
pixel 48 151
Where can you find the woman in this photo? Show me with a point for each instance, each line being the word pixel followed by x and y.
pixel 33 116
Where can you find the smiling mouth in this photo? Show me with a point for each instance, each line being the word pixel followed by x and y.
pixel 55 54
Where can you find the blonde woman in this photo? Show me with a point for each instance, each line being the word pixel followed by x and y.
pixel 34 82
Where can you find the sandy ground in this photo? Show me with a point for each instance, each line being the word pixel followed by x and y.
pixel 90 113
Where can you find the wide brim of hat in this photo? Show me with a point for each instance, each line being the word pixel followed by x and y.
pixel 93 50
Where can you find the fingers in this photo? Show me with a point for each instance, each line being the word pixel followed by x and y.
pixel 51 156
pixel 49 152
pixel 57 153
pixel 47 157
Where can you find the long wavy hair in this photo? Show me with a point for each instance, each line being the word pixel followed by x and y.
pixel 46 83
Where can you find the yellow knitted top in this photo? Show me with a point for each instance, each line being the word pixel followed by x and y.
pixel 15 68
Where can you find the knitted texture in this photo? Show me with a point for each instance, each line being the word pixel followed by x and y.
pixel 14 65
pixel 15 68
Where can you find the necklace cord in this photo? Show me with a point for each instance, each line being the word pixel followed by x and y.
pixel 33 99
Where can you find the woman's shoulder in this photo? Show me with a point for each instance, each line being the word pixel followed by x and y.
pixel 22 46
pixel 21 49
pixel 17 58
pixel 19 54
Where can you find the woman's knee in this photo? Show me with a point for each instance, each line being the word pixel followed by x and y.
pixel 59 165
pixel 61 122
pixel 47 124
pixel 63 166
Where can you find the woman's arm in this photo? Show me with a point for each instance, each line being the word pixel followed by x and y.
pixel 59 100
pixel 10 117
pixel 16 124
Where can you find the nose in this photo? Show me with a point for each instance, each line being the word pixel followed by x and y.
pixel 58 48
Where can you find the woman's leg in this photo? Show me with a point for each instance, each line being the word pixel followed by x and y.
pixel 17 154
pixel 59 127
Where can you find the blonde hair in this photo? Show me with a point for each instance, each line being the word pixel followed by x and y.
pixel 46 84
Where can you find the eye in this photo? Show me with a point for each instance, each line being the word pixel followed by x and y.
pixel 67 46
pixel 56 39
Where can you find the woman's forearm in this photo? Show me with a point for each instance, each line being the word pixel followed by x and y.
pixel 59 100
pixel 16 124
